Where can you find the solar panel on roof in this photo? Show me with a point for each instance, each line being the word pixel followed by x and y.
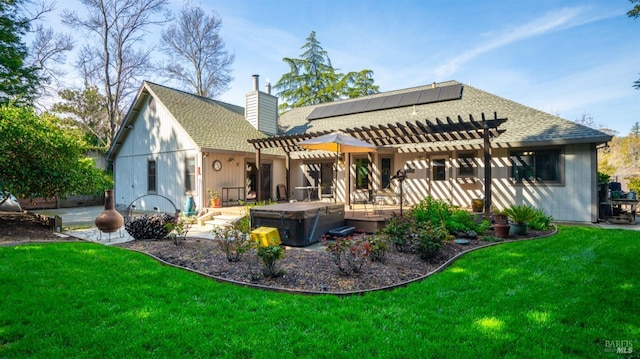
pixel 450 93
pixel 428 96
pixel 409 99
pixel 418 97
pixel 374 104
pixel 359 106
pixel 391 101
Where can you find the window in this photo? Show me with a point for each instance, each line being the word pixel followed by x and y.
pixel 536 165
pixel 385 171
pixel 151 176
pixel 466 165
pixel 189 175
pixel 439 169
pixel 362 173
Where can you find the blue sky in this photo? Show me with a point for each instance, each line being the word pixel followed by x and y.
pixel 563 57
pixel 567 58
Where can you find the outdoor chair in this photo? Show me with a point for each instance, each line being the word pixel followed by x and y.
pixel 361 197
pixel 328 196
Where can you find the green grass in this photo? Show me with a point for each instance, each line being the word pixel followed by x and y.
pixel 563 296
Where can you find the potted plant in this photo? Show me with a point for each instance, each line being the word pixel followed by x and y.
pixel 501 226
pixel 520 215
pixel 214 196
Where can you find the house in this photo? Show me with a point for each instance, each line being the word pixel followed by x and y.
pixel 174 145
pixel 455 142
pixel 432 132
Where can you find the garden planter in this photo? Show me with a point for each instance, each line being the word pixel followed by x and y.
pixel 477 204
pixel 501 230
pixel 216 202
pixel 518 229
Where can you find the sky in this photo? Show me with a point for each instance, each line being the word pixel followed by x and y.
pixel 568 58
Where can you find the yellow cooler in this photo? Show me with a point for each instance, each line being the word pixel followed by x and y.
pixel 266 236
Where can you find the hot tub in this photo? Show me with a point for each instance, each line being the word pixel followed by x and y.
pixel 299 223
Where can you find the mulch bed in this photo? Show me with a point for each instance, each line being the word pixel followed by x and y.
pixel 304 270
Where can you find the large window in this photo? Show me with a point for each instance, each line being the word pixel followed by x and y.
pixel 466 165
pixel 439 169
pixel 362 173
pixel 536 165
pixel 151 176
pixel 189 175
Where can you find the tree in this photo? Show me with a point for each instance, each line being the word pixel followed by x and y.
pixel 18 81
pixel 195 41
pixel 313 80
pixel 39 159
pixel 88 109
pixel 113 59
pixel 635 13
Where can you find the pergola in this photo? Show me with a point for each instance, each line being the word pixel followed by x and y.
pixel 401 133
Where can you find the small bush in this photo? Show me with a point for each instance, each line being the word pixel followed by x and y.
pixel 520 214
pixel 179 228
pixel 430 240
pixel 270 256
pixel 398 230
pixel 349 253
pixel 541 221
pixel 234 243
pixel 378 246
pixel 149 227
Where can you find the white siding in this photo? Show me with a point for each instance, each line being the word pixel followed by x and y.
pixel 261 110
pixel 572 200
pixel 155 136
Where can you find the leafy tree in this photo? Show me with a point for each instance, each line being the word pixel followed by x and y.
pixel 313 80
pixel 88 110
pixel 18 81
pixel 39 159
pixel 195 41
pixel 113 57
pixel 635 13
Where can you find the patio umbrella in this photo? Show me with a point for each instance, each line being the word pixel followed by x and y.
pixel 337 142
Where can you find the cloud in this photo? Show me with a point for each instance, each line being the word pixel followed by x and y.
pixel 560 19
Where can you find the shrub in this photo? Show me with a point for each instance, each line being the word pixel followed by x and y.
pixel 541 221
pixel 149 227
pixel 379 247
pixel 233 242
pixel 440 212
pixel 398 230
pixel 520 214
pixel 179 228
pixel 349 253
pixel 429 240
pixel 270 256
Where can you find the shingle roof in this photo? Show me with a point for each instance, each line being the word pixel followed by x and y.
pixel 210 123
pixel 525 125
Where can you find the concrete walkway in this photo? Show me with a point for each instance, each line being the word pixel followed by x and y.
pixel 78 222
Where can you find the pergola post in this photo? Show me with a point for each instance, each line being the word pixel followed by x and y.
pixel 287 168
pixel 258 176
pixel 487 167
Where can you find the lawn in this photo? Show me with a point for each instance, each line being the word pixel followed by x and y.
pixel 576 294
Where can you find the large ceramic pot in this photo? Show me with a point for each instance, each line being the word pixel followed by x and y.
pixel 109 220
pixel 501 230
pixel 517 228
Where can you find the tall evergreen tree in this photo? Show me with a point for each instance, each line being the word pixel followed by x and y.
pixel 18 81
pixel 312 79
